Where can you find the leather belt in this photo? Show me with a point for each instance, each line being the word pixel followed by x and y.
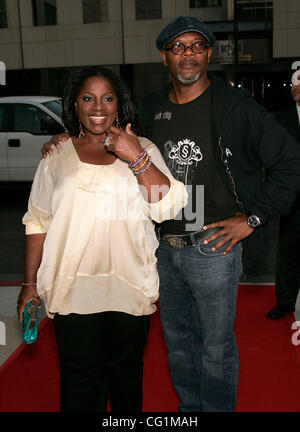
pixel 180 241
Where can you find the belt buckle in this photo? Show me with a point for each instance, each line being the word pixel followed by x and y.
pixel 174 241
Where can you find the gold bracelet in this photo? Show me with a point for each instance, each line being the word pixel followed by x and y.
pixel 144 169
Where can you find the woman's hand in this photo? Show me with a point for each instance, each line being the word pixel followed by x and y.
pixel 28 292
pixel 63 137
pixel 154 184
pixel 125 144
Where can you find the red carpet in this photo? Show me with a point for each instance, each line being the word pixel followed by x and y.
pixel 269 366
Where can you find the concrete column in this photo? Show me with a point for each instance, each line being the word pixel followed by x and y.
pixel 129 10
pixel 26 13
pixel 12 13
pixel 182 7
pixel 114 10
pixel 230 10
pixel 69 12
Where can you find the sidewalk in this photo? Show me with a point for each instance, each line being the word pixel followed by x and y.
pixel 11 327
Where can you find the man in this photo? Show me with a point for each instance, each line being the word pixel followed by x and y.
pixel 288 264
pixel 213 135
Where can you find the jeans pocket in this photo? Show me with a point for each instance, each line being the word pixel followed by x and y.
pixel 206 249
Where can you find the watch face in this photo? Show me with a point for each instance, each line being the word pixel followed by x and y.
pixel 253 221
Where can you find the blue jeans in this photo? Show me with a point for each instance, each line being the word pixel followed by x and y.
pixel 198 292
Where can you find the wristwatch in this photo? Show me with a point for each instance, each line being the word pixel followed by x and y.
pixel 253 221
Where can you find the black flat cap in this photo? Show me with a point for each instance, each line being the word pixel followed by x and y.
pixel 184 24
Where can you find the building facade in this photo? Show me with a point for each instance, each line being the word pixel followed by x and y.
pixel 42 40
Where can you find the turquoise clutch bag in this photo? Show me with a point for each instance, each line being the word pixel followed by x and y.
pixel 30 323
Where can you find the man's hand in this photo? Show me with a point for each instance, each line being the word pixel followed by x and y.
pixel 63 137
pixel 233 229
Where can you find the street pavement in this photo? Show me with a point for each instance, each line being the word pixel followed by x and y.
pixel 14 199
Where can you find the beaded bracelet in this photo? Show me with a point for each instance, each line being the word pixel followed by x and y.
pixel 144 169
pixel 28 283
pixel 141 164
pixel 138 159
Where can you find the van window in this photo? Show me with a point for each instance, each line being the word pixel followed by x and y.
pixel 29 118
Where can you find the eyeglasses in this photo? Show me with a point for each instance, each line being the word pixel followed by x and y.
pixel 179 48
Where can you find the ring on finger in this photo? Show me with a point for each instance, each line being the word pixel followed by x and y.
pixel 107 141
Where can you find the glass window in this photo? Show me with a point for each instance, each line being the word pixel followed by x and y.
pixel 50 14
pixel 204 3
pixel 44 12
pixel 95 10
pixel 31 119
pixel 147 9
pixel 3 15
pixel 254 10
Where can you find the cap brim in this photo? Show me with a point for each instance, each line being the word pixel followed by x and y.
pixel 190 30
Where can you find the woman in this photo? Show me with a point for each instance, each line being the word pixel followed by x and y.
pixel 90 243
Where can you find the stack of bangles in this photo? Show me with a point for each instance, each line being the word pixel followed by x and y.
pixel 141 163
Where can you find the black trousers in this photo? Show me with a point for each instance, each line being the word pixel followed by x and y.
pixel 101 354
pixel 288 262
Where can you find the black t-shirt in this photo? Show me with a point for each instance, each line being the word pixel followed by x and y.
pixel 182 132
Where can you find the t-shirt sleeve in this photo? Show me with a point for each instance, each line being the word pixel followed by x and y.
pixel 39 214
pixel 174 200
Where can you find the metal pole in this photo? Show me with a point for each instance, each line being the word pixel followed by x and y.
pixel 21 36
pixel 236 45
pixel 122 26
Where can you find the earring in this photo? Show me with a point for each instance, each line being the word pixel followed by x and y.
pixel 81 132
pixel 117 123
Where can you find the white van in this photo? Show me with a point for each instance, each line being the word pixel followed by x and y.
pixel 26 123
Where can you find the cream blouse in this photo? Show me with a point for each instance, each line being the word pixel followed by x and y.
pixel 99 251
